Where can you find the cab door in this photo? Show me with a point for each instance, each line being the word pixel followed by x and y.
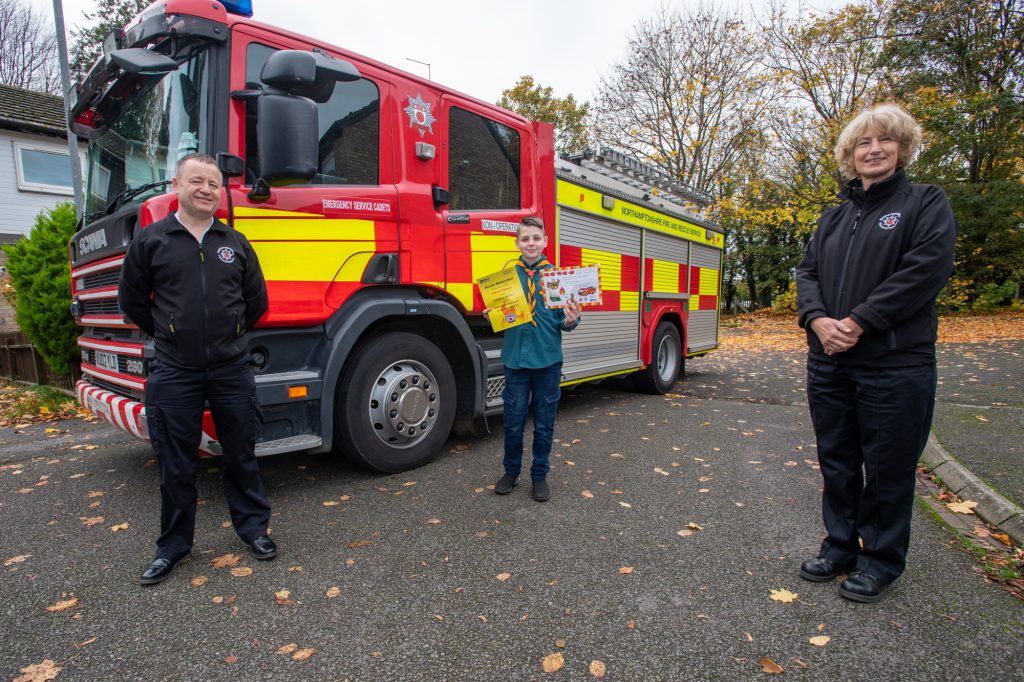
pixel 318 240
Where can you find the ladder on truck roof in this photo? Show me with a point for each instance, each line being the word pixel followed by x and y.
pixel 645 182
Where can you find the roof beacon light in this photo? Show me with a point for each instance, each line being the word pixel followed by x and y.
pixel 239 7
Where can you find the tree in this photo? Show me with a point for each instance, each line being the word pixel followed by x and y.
pixel 39 268
pixel 538 103
pixel 88 42
pixel 959 68
pixel 688 98
pixel 28 48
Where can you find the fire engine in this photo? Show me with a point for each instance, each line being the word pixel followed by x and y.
pixel 374 199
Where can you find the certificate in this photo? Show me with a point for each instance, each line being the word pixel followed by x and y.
pixel 582 284
pixel 504 295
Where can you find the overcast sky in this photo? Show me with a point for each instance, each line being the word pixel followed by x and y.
pixel 477 47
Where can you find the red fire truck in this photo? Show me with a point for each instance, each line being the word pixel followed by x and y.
pixel 374 200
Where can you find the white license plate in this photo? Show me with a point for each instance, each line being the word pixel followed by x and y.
pixel 106 360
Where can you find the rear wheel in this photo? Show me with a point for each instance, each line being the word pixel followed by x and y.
pixel 395 403
pixel 666 361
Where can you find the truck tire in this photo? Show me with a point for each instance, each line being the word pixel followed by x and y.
pixel 666 361
pixel 395 403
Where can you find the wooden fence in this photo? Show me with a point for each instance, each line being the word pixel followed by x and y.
pixel 21 362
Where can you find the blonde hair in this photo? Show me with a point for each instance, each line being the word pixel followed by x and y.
pixel 887 119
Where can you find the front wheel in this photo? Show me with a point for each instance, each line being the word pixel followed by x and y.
pixel 666 361
pixel 395 403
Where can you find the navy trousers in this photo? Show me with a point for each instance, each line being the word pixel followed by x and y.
pixel 871 426
pixel 537 391
pixel 175 399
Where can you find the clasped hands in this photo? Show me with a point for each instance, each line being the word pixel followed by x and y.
pixel 836 336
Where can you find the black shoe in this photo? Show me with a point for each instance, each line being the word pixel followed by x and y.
pixel 541 491
pixel 505 484
pixel 821 570
pixel 263 548
pixel 863 587
pixel 158 571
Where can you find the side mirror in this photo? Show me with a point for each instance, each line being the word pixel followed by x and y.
pixel 307 74
pixel 143 62
pixel 287 137
pixel 230 166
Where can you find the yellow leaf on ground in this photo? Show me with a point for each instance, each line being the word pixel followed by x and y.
pixel 597 668
pixel 587 494
pixel 333 592
pixel 980 418
pixel 626 570
pixel 281 597
pixel 241 571
pixel 330 503
pixel 39 672
pixel 51 430
pixel 90 520
pixel 784 596
pixel 661 471
pixel 627 505
pixel 820 640
pixel 965 507
pixel 769 666
pixel 16 559
pixel 119 527
pixel 199 581
pixel 503 576
pixel 1003 538
pixel 287 649
pixel 303 654
pixel 553 662
pixel 694 526
pixel 62 605
pixel 225 560
pixel 295 569
pixel 95 493
pixel 433 521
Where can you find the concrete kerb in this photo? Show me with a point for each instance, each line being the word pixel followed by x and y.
pixel 992 507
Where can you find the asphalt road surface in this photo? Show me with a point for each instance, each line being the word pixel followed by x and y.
pixel 430 576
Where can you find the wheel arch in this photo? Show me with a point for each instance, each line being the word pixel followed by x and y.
pixel 375 311
pixel 675 318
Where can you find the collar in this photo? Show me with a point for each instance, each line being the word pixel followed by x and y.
pixel 214 223
pixel 856 193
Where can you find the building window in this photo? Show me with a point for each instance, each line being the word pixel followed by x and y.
pixel 42 170
pixel 483 163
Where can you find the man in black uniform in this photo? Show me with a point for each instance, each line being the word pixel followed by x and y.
pixel 195 286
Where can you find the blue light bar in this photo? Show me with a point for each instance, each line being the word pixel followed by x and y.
pixel 240 7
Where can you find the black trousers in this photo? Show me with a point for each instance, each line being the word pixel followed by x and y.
pixel 175 399
pixel 871 426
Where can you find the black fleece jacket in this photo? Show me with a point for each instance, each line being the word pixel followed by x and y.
pixel 196 300
pixel 880 258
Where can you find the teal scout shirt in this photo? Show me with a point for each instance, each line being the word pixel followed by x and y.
pixel 535 347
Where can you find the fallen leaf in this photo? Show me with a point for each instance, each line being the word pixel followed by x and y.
pixel 62 605
pixel 199 581
pixel 51 430
pixel 627 505
pixel 345 498
pixel 95 493
pixel 965 507
pixel 16 559
pixel 433 521
pixel 330 503
pixel 784 596
pixel 769 666
pixel 295 569
pixel 560 643
pixel 281 597
pixel 86 643
pixel 287 649
pixel 587 494
pixel 661 471
pixel 684 533
pixel 39 672
pixel 1003 538
pixel 553 662
pixel 980 418
pixel 820 640
pixel 631 624
pixel 503 576
pixel 750 637
pixel 597 668
pixel 231 659
pixel 626 570
pixel 241 571
pixel 694 526
pixel 90 520
pixel 225 560
pixel 438 617
pixel 119 527
pixel 356 544
pixel 303 654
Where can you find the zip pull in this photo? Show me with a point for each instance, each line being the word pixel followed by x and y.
pixel 856 222
pixel 202 258
pixel 171 323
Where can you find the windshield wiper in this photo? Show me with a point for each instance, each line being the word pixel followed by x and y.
pixel 130 192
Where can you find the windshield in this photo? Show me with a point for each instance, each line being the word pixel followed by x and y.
pixel 163 122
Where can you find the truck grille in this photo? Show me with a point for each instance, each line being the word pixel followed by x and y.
pixel 102 279
pixel 100 306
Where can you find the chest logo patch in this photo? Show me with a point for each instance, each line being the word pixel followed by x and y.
pixel 889 221
pixel 226 254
